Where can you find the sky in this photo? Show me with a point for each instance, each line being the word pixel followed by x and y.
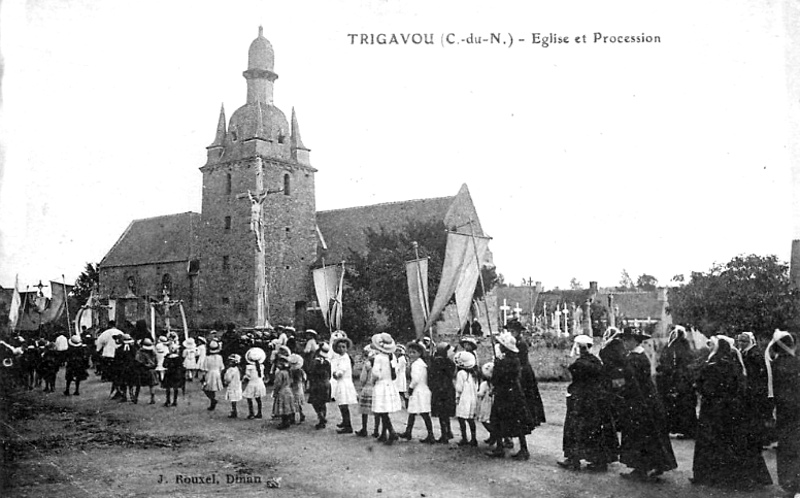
pixel 583 159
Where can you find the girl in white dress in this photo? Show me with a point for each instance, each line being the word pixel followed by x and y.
pixel 162 349
pixel 419 394
pixel 401 382
pixel 189 358
pixel 343 390
pixel 385 398
pixel 466 395
pixel 200 352
pixel 212 366
pixel 233 383
pixel 254 377
pixel 486 400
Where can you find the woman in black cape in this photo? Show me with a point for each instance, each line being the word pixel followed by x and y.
pixel 783 377
pixel 675 381
pixel 721 454
pixel 510 415
pixel 527 379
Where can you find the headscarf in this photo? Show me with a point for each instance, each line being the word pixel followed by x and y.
pixel 751 339
pixel 717 340
pixel 581 340
pixel 781 338
pixel 678 332
pixel 610 334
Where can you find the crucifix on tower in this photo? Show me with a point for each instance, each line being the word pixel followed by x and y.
pixel 257 199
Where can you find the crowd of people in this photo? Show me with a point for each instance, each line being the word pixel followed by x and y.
pixel 615 410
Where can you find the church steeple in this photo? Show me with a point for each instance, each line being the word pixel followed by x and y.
pixel 259 74
pixel 299 151
pixel 219 139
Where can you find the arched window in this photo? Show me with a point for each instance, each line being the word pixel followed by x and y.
pixel 287 185
pixel 227 184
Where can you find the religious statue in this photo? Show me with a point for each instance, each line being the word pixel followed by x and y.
pixel 256 224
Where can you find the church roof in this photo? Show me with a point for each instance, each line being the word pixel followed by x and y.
pixel 345 229
pixel 638 305
pixel 162 239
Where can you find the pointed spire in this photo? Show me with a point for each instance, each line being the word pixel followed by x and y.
pixel 296 141
pixel 219 139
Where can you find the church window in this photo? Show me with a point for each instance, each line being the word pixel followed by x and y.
pixel 287 185
pixel 226 301
pixel 227 184
pixel 226 263
pixel 227 223
pixel 281 138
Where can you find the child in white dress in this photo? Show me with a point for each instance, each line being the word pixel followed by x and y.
pixel 342 388
pixel 419 394
pixel 486 400
pixel 254 376
pixel 466 395
pixel 401 382
pixel 190 358
pixel 233 383
pixel 385 398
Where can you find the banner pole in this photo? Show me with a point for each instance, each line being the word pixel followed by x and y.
pixel 483 287
pixel 66 302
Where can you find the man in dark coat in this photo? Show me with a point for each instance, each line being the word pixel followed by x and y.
pixel 589 432
pixel 646 447
pixel 783 373
pixel 441 373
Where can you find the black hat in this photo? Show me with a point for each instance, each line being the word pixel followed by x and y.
pixel 634 333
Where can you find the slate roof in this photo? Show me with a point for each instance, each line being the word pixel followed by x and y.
pixel 345 229
pixel 638 305
pixel 162 239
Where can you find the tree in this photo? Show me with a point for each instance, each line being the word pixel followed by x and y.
pixel 88 280
pixel 381 274
pixel 646 282
pixel 575 284
pixel 625 281
pixel 749 293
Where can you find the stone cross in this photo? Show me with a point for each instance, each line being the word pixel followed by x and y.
pixel 557 320
pixel 505 308
pixel 544 314
pixel 517 311
pixel 565 312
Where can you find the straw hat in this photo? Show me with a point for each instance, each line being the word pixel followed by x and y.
pixel 324 349
pixel 75 341
pixel 338 334
pixel 464 359
pixel 508 341
pixel 283 352
pixel 384 343
pixel 235 358
pixel 163 339
pixel 339 340
pixel 127 339
pixel 468 340
pixel 189 343
pixel 295 362
pixel 254 355
pixel 214 347
pixel 147 344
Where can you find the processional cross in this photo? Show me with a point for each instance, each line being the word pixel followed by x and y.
pixel 166 303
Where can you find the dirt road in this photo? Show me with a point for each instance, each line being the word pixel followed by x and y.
pixel 59 446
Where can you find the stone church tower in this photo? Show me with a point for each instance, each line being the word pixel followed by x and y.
pixel 257 160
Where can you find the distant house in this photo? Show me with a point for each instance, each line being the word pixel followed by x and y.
pixel 639 308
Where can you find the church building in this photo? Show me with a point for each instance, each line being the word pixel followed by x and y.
pixel 247 256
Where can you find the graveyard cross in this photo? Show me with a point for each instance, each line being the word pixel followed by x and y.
pixel 505 308
pixel 517 311
pixel 566 319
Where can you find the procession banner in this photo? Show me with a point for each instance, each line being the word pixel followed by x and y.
pixel 325 280
pixel 417 278
pixel 335 306
pixel 465 290
pixel 58 302
pixel 16 302
pixel 459 253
